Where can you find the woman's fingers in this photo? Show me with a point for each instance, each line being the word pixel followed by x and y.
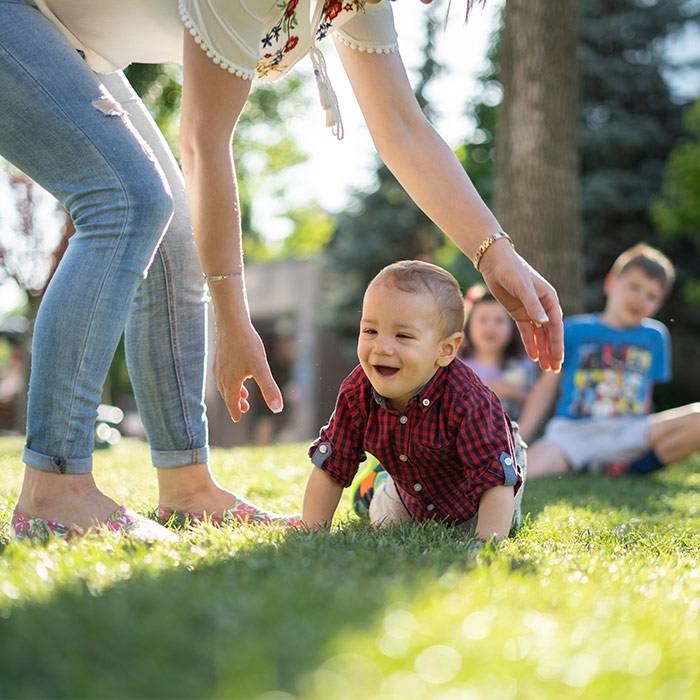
pixel 233 400
pixel 544 341
pixel 555 329
pixel 541 338
pixel 531 301
pixel 268 387
pixel 527 333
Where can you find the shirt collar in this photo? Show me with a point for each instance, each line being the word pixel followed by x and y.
pixel 429 392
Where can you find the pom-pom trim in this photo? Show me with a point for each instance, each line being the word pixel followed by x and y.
pixel 216 57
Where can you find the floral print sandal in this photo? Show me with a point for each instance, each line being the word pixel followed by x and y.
pixel 30 528
pixel 240 513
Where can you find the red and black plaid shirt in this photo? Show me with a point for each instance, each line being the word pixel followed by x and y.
pixel 450 444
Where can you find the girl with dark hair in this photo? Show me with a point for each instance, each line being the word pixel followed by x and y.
pixel 492 349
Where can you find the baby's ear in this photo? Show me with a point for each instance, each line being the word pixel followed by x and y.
pixel 449 347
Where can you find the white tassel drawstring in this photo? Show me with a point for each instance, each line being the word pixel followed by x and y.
pixel 329 100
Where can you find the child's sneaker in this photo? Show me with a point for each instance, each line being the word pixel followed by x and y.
pixel 365 489
pixel 608 468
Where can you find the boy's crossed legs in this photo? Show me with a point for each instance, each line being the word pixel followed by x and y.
pixel 669 436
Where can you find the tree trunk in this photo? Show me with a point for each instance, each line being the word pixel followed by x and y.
pixel 537 184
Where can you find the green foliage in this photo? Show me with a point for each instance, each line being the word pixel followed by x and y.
pixel 263 147
pixel 629 125
pixel 5 352
pixel 263 150
pixel 313 228
pixel 596 598
pixel 160 88
pixel 384 226
pixel 677 212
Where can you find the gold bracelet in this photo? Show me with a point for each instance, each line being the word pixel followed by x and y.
pixel 218 278
pixel 486 244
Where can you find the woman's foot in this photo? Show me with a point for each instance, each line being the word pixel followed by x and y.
pixel 191 493
pixel 68 505
pixel 71 499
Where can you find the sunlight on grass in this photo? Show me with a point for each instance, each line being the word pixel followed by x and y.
pixel 597 597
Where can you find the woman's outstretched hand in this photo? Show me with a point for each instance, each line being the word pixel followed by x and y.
pixel 240 355
pixel 530 300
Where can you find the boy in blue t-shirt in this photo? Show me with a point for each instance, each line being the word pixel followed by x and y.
pixel 612 361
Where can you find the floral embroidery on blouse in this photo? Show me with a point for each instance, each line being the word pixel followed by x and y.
pixel 282 37
pixel 331 9
pixel 279 40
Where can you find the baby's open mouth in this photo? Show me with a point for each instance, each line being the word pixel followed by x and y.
pixel 385 370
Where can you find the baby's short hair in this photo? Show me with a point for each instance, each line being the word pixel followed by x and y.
pixel 418 277
pixel 651 261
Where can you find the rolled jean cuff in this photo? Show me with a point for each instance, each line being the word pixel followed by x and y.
pixel 171 459
pixel 57 465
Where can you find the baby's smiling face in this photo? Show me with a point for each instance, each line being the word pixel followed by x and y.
pixel 401 343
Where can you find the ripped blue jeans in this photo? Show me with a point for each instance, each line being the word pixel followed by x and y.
pixel 131 266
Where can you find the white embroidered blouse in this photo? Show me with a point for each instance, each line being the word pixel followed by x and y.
pixel 253 39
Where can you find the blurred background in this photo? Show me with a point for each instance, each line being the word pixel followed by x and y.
pixel 578 121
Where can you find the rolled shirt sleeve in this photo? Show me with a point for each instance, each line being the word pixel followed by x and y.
pixel 486 447
pixel 339 449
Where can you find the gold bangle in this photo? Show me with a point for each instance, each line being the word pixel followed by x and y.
pixel 486 244
pixel 219 278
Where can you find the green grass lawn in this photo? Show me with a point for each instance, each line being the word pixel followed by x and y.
pixel 597 597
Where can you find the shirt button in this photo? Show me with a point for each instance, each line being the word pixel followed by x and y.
pixel 403 420
pixel 430 506
pixel 417 487
pixel 323 449
pixel 403 458
pixel 508 461
pixel 426 402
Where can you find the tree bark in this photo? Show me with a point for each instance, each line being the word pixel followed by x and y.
pixel 537 180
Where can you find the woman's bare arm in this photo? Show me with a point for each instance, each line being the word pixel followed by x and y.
pixel 431 174
pixel 211 104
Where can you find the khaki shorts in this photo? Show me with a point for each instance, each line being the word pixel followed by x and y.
pixel 588 440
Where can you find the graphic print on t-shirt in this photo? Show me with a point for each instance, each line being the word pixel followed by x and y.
pixel 611 371
pixel 610 381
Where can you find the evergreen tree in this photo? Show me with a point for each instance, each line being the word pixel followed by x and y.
pixel 677 212
pixel 629 124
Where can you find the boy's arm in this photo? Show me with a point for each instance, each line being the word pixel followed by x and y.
pixel 320 499
pixel 539 404
pixel 495 515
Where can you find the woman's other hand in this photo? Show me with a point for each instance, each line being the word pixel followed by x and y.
pixel 240 355
pixel 530 300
